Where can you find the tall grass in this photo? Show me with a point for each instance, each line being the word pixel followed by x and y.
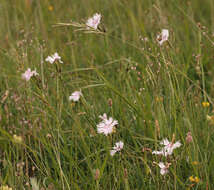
pixel 154 92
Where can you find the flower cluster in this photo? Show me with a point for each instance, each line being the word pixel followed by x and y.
pixel 53 58
pixel 28 74
pixel 118 147
pixel 106 126
pixel 94 21
pixel 163 168
pixel 205 104
pixel 75 96
pixel 167 150
pixel 168 147
pixel 194 179
pixel 163 36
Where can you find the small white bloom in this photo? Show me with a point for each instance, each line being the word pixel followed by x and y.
pixel 168 147
pixel 158 152
pixel 94 21
pixel 103 117
pixel 75 96
pixel 28 74
pixel 118 147
pixel 55 57
pixel 163 36
pixel 164 168
pixel 165 142
pixel 106 126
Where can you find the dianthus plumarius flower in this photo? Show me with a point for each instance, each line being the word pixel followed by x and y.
pixel 106 126
pixel 118 147
pixel 163 168
pixel 168 147
pixel 163 36
pixel 28 74
pixel 75 96
pixel 55 57
pixel 94 21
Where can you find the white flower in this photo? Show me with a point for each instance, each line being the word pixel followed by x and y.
pixel 94 21
pixel 106 126
pixel 55 57
pixel 118 147
pixel 165 142
pixel 28 74
pixel 168 147
pixel 163 37
pixel 75 96
pixel 164 168
pixel 158 152
pixel 103 117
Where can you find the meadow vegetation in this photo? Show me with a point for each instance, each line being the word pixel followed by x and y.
pixel 118 75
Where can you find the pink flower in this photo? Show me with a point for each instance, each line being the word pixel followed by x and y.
pixel 28 74
pixel 94 21
pixel 168 147
pixel 163 37
pixel 55 57
pixel 164 168
pixel 118 147
pixel 106 126
pixel 75 96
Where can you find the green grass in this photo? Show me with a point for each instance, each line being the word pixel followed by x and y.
pixel 156 92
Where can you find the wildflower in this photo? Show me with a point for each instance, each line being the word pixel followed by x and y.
pixel 75 96
pixel 195 163
pixel 164 168
pixel 17 139
pixel 106 126
pixel 5 187
pixel 118 147
pixel 189 137
pixel 28 74
pixel 163 36
pixel 168 147
pixel 205 104
pixel 197 179
pixel 94 21
pixel 50 8
pixel 194 179
pixel 191 178
pixel 55 57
